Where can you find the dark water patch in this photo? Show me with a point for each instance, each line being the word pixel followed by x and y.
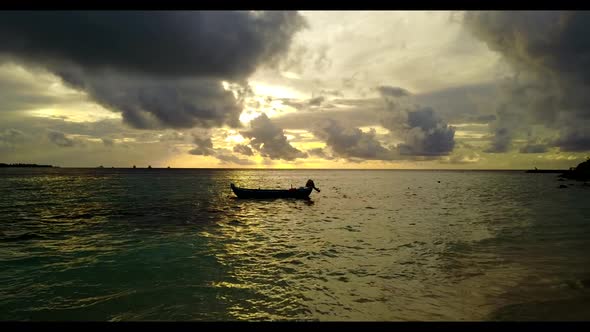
pixel 574 309
pixel 22 237
pixel 295 262
pixel 578 284
pixel 363 300
pixel 282 255
pixel 351 228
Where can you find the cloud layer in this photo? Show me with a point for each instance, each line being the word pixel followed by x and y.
pixel 351 143
pixel 203 146
pixel 159 69
pixel 270 140
pixel 550 53
pixel 424 133
pixel 215 44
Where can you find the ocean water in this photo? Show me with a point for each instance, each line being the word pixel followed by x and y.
pixel 175 244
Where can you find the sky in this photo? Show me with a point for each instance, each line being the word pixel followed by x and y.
pixel 309 89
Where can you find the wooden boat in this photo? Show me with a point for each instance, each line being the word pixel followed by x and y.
pixel 301 192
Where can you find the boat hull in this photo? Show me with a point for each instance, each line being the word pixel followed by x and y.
pixel 301 193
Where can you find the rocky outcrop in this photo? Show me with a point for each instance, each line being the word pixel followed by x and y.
pixel 580 172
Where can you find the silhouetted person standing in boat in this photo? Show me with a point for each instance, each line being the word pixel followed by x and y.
pixel 310 184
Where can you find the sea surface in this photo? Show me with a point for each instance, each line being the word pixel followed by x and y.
pixel 175 244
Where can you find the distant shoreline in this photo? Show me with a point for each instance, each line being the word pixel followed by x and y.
pixel 25 165
pixel 546 171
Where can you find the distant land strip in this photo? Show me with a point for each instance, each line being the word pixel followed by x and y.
pixel 23 165
pixel 546 171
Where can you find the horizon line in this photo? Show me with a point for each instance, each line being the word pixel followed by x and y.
pixel 301 169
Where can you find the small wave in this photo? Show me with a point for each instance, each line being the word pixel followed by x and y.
pixel 22 237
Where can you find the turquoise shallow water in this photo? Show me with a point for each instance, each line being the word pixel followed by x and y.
pixel 174 244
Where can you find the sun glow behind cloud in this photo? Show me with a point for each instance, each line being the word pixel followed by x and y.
pixel 80 112
pixel 266 100
pixel 275 91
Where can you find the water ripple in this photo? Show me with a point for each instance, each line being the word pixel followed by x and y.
pixel 379 245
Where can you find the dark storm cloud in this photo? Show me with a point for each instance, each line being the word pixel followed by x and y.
pixel 148 103
pixel 60 139
pixel 466 104
pixel 423 132
pixel 550 52
pixel 392 91
pixel 433 142
pixel 428 135
pixel 321 153
pixel 203 146
pixel 159 69
pixel 221 44
pixel 534 148
pixel 574 139
pixel 270 140
pixel 501 141
pixel 352 143
pixel 243 149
